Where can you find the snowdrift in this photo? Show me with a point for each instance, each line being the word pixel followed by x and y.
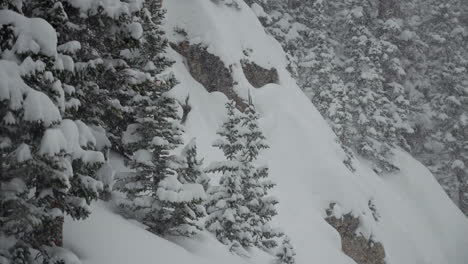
pixel 416 223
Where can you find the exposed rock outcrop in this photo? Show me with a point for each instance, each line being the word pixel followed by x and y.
pixel 209 70
pixel 361 249
pixel 257 75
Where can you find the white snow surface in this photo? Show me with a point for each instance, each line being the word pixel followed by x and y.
pixel 417 222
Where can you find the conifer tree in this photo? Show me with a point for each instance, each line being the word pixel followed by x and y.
pixel 385 74
pixel 47 162
pixel 442 31
pixel 318 75
pixel 286 252
pixel 226 205
pixel 156 196
pixel 369 103
pixel 195 182
pixel 151 139
pixel 190 170
pixel 256 182
pixel 240 209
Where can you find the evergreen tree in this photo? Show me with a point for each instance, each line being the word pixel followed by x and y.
pixel 156 196
pixel 384 74
pixel 318 75
pixel 447 64
pixel 256 182
pixel 151 139
pixel 240 209
pixel 286 252
pixel 364 81
pixel 226 205
pixel 47 163
pixel 190 170
pixel 195 182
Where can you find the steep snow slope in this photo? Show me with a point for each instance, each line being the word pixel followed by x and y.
pixel 418 224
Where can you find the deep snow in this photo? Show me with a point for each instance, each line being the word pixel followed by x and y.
pixel 418 223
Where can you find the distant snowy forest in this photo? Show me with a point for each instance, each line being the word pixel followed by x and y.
pixel 385 74
pixel 89 112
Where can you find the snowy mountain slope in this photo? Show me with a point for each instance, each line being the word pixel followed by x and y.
pixel 119 241
pixel 417 223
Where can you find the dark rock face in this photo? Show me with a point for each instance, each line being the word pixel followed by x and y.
pixel 258 76
pixel 362 250
pixel 208 70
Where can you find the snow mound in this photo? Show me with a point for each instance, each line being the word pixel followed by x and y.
pixel 118 241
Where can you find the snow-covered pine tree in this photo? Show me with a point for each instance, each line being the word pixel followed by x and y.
pixel 366 106
pixel 363 76
pixel 389 28
pixel 39 154
pixel 417 50
pixel 240 208
pixel 445 151
pixel 190 173
pixel 318 75
pixel 286 253
pixel 256 184
pixel 228 214
pixel 156 196
pixel 151 139
pixel 191 169
pixel 101 39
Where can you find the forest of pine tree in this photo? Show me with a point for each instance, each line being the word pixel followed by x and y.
pixel 83 80
pixel 386 75
pixel 87 82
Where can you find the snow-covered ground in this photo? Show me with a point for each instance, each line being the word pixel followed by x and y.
pixel 418 223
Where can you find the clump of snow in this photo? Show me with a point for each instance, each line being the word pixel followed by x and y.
pixel 131 134
pixel 61 254
pixel 159 141
pixel 67 137
pixel 86 135
pixel 78 135
pixel 9 118
pixel 12 86
pixel 38 107
pixel 91 184
pixel 136 30
pixel 23 153
pixel 53 142
pixel 64 62
pixel 70 47
pixel 33 34
pixel 112 8
pixel 15 185
pixel 102 141
pixel 30 67
pixel 106 175
pixel 171 190
pixel 143 156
